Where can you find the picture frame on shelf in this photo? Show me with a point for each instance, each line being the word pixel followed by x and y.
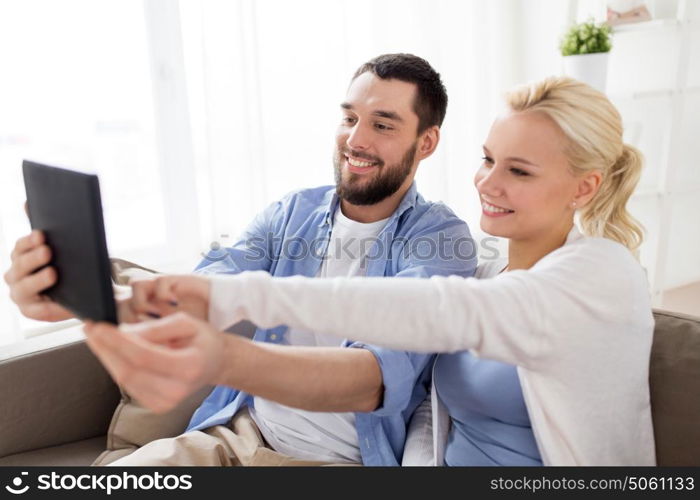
pixel 628 12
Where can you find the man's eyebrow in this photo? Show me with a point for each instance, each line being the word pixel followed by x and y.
pixel 390 115
pixel 513 158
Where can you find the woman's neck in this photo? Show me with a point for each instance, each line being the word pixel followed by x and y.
pixel 523 254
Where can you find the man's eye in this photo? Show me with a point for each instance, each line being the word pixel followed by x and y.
pixel 381 126
pixel 348 119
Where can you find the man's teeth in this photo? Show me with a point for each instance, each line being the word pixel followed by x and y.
pixel 358 163
pixel 492 208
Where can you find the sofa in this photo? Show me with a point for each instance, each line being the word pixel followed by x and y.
pixel 59 406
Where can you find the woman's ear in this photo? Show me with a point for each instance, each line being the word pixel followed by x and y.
pixel 588 186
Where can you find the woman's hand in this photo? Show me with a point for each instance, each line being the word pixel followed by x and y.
pixel 165 295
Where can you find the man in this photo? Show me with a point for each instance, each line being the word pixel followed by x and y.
pixel 320 402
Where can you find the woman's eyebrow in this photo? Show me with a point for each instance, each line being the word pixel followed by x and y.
pixel 513 158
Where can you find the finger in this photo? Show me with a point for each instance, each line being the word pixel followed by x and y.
pixel 44 309
pixel 165 290
pixel 157 393
pixel 154 391
pixel 177 328
pixel 33 239
pixel 142 297
pixel 27 263
pixel 28 289
pixel 136 351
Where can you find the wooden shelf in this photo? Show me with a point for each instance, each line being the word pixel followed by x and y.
pixel 648 94
pixel 654 24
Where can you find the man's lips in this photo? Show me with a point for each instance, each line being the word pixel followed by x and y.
pixel 360 165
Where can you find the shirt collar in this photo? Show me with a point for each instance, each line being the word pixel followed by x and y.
pixel 574 234
pixel 408 201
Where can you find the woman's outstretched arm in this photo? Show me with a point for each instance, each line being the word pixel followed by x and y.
pixel 443 314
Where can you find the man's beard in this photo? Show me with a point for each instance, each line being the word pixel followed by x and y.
pixel 385 183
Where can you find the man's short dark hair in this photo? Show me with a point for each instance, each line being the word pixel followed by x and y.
pixel 431 99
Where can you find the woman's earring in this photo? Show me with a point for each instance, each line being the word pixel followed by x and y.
pixel 573 204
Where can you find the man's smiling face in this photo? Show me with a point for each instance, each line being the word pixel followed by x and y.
pixel 377 139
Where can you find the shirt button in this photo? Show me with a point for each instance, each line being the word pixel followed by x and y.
pixel 273 336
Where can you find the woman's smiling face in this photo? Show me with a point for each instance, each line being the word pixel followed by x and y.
pixel 525 184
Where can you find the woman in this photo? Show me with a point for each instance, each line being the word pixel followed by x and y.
pixel 563 328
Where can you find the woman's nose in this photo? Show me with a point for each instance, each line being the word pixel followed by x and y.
pixel 488 181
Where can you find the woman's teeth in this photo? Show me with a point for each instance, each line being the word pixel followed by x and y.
pixel 493 208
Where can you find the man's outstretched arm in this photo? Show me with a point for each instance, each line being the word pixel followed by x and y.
pixel 161 362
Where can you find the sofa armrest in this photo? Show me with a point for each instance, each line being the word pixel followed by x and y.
pixel 53 396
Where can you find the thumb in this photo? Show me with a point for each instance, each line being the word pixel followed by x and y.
pixel 174 329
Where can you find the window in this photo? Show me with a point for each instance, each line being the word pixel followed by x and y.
pixel 84 85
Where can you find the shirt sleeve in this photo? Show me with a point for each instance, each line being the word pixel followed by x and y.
pixel 418 450
pixel 508 318
pixel 432 249
pixel 254 250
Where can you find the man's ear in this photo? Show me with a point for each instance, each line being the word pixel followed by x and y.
pixel 588 186
pixel 428 141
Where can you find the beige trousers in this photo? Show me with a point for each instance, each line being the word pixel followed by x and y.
pixel 241 444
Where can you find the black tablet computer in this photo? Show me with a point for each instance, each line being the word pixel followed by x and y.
pixel 66 206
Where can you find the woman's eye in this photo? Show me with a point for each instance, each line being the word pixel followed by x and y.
pixel 487 160
pixel 519 172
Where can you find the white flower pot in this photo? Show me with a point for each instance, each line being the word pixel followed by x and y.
pixel 589 68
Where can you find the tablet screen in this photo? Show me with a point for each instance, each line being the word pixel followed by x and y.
pixel 66 206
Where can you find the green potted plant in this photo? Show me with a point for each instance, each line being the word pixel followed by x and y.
pixel 585 47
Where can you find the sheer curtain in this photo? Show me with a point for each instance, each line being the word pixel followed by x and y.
pixel 266 78
pixel 92 86
pixel 197 114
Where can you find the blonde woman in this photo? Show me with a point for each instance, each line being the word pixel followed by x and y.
pixel 546 357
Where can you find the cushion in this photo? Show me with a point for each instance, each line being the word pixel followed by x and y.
pixel 123 271
pixel 53 396
pixel 133 425
pixel 75 454
pixel 674 380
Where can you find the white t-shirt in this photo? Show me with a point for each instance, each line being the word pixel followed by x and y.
pixel 323 436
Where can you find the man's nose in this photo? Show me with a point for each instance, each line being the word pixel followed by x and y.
pixel 359 137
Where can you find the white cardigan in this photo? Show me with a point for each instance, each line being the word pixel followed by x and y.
pixel 578 325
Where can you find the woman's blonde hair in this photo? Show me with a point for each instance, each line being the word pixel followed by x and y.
pixel 594 130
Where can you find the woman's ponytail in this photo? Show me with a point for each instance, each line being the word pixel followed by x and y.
pixel 606 214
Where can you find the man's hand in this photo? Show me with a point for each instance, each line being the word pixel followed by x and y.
pixel 165 295
pixel 159 362
pixel 31 253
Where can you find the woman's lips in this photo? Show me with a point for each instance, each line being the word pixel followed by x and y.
pixel 491 210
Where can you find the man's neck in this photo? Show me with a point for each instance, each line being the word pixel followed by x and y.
pixel 378 211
